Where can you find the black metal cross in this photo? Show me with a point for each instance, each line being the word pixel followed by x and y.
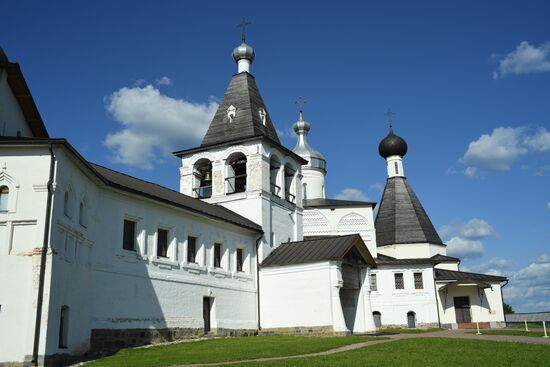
pixel 300 101
pixel 390 115
pixel 243 24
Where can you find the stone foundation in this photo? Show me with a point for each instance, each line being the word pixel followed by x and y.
pixel 303 330
pixel 109 340
pixel 425 325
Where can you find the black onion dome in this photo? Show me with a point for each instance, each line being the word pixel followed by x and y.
pixel 392 145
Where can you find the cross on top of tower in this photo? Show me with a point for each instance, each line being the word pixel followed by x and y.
pixel 300 101
pixel 243 24
pixel 390 115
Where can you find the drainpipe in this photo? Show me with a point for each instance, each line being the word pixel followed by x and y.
pixel 436 302
pixel 258 278
pixel 43 258
pixel 502 301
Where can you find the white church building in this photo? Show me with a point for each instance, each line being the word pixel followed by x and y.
pixel 95 260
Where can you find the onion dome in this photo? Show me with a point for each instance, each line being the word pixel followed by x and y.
pixel 244 51
pixel 392 145
pixel 304 150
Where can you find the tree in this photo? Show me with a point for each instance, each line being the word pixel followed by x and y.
pixel 507 308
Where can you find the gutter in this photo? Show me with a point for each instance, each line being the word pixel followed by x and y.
pixel 43 258
pixel 436 296
pixel 258 279
pixel 502 299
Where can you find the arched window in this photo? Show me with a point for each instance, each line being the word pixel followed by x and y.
pixel 377 319
pixel 64 327
pixel 274 170
pixel 67 204
pixel 82 214
pixel 411 319
pixel 289 184
pixel 236 173
pixel 202 180
pixel 4 198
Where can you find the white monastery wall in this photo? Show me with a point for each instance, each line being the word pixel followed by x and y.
pixel 307 303
pixel 12 119
pixel 412 250
pixel 394 304
pixel 485 304
pixel 26 174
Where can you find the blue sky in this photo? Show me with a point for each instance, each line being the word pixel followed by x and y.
pixel 127 82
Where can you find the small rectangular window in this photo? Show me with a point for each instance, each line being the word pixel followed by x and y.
pixel 396 168
pixel 373 284
pixel 217 255
pixel 191 249
pixel 418 283
pixel 129 236
pixel 399 281
pixel 162 243
pixel 239 259
pixel 63 327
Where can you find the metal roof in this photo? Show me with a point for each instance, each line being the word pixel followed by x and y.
pixel 319 203
pixel 444 258
pixel 243 94
pixel 317 250
pixel 443 274
pixel 401 218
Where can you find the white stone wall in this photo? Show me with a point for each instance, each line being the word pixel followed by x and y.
pixel 280 218
pixel 412 250
pixel 341 221
pixel 296 296
pixel 104 285
pixel 26 174
pixel 485 305
pixel 314 183
pixel 12 119
pixel 394 304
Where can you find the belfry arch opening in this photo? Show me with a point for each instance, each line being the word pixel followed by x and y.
pixel 274 176
pixel 236 173
pixel 290 190
pixel 202 179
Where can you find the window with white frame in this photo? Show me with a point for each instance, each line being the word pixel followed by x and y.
pixel 240 259
pixel 191 249
pixel 399 283
pixel 373 283
pixel 129 235
pixel 4 198
pixel 162 242
pixel 418 283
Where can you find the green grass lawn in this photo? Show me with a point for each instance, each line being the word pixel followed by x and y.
pixel 429 352
pixel 227 349
pixel 537 334
pixel 408 331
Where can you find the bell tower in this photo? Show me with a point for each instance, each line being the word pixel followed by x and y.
pixel 242 165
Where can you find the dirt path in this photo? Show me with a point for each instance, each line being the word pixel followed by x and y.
pixel 460 334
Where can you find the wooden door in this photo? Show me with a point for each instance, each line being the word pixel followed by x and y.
pixel 206 305
pixel 462 309
pixel 411 320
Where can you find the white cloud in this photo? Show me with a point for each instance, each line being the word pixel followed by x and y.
pixel 153 125
pixel 164 81
pixel 540 141
pixel 525 59
pixel 496 151
pixel 464 248
pixel 377 186
pixel 351 194
pixel 495 266
pixel 475 229
pixel 529 287
pixel 499 150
